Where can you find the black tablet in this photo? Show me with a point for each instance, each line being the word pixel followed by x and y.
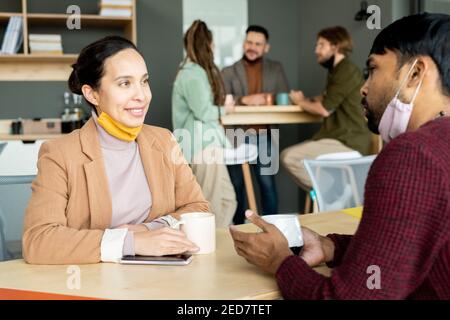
pixel 171 260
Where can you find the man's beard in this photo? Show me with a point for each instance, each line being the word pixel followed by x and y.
pixel 329 63
pixel 375 111
pixel 256 61
pixel 372 122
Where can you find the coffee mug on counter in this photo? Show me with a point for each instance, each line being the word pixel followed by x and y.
pixel 289 225
pixel 200 228
pixel 270 97
pixel 283 99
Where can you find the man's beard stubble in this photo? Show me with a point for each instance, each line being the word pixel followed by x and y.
pixel 375 112
pixel 256 61
pixel 328 63
pixel 372 122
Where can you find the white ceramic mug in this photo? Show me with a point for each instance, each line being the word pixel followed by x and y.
pixel 289 225
pixel 200 228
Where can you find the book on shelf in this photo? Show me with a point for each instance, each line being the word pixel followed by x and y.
pixel 42 46
pixel 7 37
pixel 116 12
pixel 12 41
pixel 116 8
pixel 45 44
pixel 117 2
pixel 45 38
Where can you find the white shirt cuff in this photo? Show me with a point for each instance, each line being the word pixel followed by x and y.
pixel 112 245
pixel 128 245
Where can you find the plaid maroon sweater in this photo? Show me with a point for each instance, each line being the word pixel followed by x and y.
pixel 405 229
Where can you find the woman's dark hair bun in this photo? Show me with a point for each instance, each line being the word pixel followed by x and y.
pixel 74 81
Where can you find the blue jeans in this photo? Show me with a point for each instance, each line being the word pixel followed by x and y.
pixel 267 186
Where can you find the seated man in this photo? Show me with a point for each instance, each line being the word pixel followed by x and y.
pixel 405 228
pixel 250 80
pixel 344 128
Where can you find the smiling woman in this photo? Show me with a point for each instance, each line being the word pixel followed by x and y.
pixel 115 186
pixel 123 93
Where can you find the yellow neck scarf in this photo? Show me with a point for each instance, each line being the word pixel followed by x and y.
pixel 117 129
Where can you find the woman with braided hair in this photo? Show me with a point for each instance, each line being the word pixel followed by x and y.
pixel 198 101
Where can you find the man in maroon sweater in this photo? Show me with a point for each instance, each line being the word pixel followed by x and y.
pixel 404 234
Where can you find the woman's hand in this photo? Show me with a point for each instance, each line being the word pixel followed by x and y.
pixel 160 242
pixel 317 249
pixel 229 109
pixel 229 104
pixel 134 227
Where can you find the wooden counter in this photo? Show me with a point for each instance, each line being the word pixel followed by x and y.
pixel 251 115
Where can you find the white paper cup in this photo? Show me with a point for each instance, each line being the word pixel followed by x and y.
pixel 289 226
pixel 200 228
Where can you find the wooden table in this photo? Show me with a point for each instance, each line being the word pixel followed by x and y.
pixel 248 115
pixel 221 275
pixel 253 115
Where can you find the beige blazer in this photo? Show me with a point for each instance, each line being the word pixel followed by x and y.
pixel 70 206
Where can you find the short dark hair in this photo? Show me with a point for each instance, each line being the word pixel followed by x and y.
pixel 89 67
pixel 421 34
pixel 338 36
pixel 258 29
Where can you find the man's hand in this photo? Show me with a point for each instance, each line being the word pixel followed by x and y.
pixel 318 98
pixel 297 97
pixel 311 106
pixel 316 249
pixel 259 99
pixel 267 249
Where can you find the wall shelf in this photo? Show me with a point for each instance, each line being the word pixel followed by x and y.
pixel 25 66
pixel 69 58
pixel 4 16
pixel 86 19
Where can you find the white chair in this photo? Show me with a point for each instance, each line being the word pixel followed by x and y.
pixel 15 193
pixel 18 167
pixel 18 158
pixel 310 199
pixel 2 146
pixel 338 184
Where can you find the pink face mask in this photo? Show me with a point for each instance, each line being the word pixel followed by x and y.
pixel 396 117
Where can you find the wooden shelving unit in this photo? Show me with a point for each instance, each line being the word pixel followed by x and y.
pixel 21 57
pixel 35 67
pixel 4 16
